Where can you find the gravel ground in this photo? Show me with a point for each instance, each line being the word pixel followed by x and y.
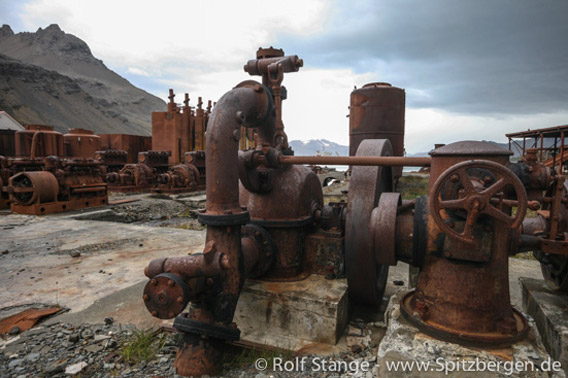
pixel 63 350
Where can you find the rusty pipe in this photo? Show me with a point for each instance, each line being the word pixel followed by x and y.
pixel 249 105
pixel 34 144
pixel 358 160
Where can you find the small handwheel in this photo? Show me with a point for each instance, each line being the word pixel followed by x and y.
pixel 366 278
pixel 478 196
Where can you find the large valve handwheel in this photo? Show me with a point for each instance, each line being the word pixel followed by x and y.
pixel 366 278
pixel 477 196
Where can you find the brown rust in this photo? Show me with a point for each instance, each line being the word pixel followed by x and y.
pixel 392 161
pixel 81 143
pixel 377 111
pixel 464 295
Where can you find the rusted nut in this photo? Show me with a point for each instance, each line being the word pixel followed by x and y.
pixel 454 178
pixel 171 315
pixel 154 313
pixel 171 283
pixel 258 88
pixel 210 247
pixel 225 261
pixel 154 282
pixel 179 300
pixel 146 297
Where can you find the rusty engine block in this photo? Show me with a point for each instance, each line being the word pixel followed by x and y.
pixel 52 172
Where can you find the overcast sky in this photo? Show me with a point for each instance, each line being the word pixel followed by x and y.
pixel 471 69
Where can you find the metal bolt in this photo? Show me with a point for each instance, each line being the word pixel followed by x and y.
pixel 258 88
pixel 171 315
pixel 171 283
pixel 154 282
pixel 454 178
pixel 179 300
pixel 154 313
pixel 146 297
pixel 225 262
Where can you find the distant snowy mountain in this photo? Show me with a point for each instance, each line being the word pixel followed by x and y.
pixel 318 147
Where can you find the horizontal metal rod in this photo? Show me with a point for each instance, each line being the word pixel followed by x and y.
pixel 358 160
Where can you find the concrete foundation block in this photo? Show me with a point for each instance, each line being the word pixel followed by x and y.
pixel 549 309
pixel 293 315
pixel 406 352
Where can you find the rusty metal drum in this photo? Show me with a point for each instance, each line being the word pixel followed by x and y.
pixel 38 141
pixel 81 143
pixel 377 112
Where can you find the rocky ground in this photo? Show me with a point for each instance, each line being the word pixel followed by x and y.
pixel 115 350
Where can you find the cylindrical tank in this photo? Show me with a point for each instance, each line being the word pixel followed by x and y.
pixel 81 143
pixel 38 141
pixel 377 112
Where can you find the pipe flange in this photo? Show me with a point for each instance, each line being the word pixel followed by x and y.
pixel 166 295
pixel 184 324
pixel 237 219
pixel 266 248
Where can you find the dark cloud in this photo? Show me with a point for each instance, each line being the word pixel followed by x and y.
pixel 482 56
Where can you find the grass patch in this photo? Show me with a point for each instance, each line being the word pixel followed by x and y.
pixel 411 187
pixel 143 345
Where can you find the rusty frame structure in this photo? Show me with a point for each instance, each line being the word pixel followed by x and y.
pixel 559 149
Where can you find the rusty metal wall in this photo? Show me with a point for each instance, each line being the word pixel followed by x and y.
pixel 81 143
pixel 7 142
pixel 133 144
pixel 377 112
pixel 169 133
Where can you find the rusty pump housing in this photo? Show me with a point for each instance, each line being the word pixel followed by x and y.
pixel 266 220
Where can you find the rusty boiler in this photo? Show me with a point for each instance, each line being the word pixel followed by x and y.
pixel 81 144
pixel 376 111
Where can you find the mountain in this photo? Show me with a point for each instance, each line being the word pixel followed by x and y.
pixel 318 147
pixel 51 77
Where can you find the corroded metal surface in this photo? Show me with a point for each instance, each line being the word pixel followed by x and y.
pixel 366 278
pixel 377 111
pixel 38 141
pixel 462 292
pixel 81 144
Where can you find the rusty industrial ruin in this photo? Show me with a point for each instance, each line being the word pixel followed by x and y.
pixel 43 171
pixel 266 219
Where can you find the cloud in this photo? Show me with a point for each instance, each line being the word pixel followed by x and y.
pixel 486 56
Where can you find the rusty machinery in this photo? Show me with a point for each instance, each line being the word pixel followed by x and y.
pixel 272 225
pixel 141 176
pixel 42 179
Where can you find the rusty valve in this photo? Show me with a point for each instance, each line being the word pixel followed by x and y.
pixel 477 200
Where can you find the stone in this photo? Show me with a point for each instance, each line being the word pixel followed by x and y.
pixel 291 315
pixel 73 338
pixel 14 331
pixel 354 331
pixel 75 254
pixel 109 320
pixel 32 357
pixel 405 344
pixel 548 309
pixel 14 363
pixel 75 368
pixel 98 338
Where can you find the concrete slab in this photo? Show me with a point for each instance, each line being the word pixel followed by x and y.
pixel 405 351
pixel 37 263
pixel 549 309
pixel 293 315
